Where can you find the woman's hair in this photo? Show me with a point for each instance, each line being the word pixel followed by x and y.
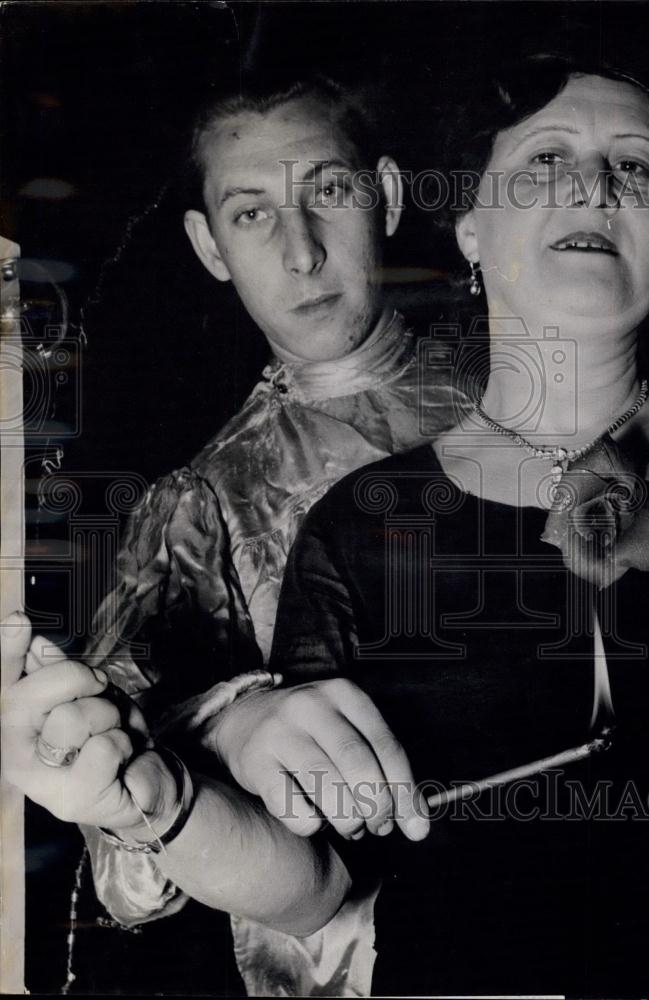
pixel 503 99
pixel 356 110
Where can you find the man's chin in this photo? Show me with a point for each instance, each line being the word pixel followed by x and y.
pixel 326 337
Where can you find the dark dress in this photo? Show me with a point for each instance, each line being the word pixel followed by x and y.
pixel 476 644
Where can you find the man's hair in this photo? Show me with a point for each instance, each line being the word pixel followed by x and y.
pixel 354 110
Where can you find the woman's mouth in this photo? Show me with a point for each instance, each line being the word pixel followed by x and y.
pixel 585 242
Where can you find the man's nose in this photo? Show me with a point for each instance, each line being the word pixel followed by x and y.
pixel 304 252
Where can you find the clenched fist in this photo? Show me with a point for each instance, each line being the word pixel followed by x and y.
pixel 68 706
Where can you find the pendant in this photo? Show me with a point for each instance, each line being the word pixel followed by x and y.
pixel 557 472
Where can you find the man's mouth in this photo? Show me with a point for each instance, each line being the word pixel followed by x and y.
pixel 318 301
pixel 586 243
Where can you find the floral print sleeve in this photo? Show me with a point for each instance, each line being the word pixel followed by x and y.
pixel 174 626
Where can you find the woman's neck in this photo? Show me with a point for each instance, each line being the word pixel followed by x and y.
pixel 559 389
pixel 553 391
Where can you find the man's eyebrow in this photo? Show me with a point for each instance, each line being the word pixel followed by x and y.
pixel 318 167
pixel 232 192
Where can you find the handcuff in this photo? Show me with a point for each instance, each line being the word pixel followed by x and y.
pixel 185 796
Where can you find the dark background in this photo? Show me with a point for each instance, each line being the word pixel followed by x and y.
pixel 99 96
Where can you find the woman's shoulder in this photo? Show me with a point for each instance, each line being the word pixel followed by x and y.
pixel 378 488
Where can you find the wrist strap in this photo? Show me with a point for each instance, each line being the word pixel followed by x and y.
pixel 185 797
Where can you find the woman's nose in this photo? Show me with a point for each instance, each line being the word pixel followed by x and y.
pixel 594 183
pixel 304 253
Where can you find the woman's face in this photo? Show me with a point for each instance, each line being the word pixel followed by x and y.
pixel 561 227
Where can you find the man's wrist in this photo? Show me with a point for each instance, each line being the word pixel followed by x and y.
pixel 239 691
pixel 161 825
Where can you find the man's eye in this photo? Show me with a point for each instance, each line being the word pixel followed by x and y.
pixel 330 195
pixel 249 216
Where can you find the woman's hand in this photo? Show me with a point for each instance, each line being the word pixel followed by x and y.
pixel 320 752
pixel 600 516
pixel 63 702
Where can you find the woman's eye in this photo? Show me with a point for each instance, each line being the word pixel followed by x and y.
pixel 249 216
pixel 547 158
pixel 633 168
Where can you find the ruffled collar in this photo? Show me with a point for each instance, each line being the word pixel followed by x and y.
pixel 388 348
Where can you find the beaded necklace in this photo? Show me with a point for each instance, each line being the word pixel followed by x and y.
pixel 561 457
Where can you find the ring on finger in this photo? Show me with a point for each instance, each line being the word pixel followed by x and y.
pixel 55 756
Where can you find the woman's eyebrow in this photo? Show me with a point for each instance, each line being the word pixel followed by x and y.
pixel 632 135
pixel 546 128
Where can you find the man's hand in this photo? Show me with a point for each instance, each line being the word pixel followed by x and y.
pixel 320 751
pixel 63 701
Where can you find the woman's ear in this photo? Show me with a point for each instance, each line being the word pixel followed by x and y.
pixel 205 248
pixel 466 236
pixel 389 177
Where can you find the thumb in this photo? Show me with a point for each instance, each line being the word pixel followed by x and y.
pixel 16 635
pixel 145 778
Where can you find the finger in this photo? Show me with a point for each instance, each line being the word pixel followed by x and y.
pixel 323 784
pixel 130 714
pixel 40 692
pixel 285 800
pixel 354 758
pixel 15 634
pixel 411 813
pixel 99 768
pixel 42 653
pixel 136 721
pixel 73 723
pixel 87 791
pixel 32 662
pixel 102 757
pixel 145 777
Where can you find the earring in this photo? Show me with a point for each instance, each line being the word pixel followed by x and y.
pixel 474 284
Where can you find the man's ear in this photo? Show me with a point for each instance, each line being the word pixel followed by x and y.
pixel 200 237
pixel 466 236
pixel 390 180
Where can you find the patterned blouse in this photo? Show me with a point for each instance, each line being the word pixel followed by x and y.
pixel 198 581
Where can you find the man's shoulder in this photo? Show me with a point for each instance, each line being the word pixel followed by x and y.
pixel 221 452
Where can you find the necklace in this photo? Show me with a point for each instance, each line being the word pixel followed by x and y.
pixel 561 457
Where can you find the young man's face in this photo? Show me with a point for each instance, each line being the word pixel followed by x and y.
pixel 303 254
